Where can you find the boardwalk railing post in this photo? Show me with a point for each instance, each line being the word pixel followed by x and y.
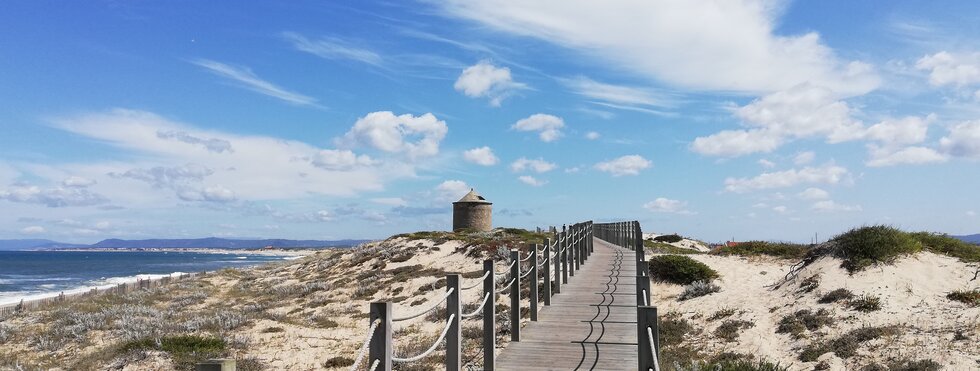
pixel 547 271
pixel 489 316
pixel 646 317
pixel 515 296
pixel 381 345
pixel 571 252
pixel 453 338
pixel 576 247
pixel 564 256
pixel 558 264
pixel 638 240
pixel 643 285
pixel 534 282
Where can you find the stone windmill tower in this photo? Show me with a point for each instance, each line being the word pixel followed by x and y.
pixel 473 212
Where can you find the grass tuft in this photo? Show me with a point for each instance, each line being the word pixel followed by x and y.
pixel 846 345
pixel 679 269
pixel 783 250
pixel 798 323
pixel 866 303
pixel 698 289
pixel 835 296
pixel 866 246
pixel 971 298
pixel 729 329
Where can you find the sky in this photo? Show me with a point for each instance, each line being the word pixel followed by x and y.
pixel 751 119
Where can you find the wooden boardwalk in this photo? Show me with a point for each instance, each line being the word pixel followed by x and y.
pixel 590 325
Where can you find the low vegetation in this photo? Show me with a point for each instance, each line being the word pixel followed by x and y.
pixel 681 270
pixel 782 250
pixel 946 245
pixel 730 329
pixel 698 289
pixel 970 297
pixel 668 238
pixel 846 345
pixel 865 246
pixel 865 303
pixel 797 324
pixel 666 248
pixel 835 296
pixel 185 350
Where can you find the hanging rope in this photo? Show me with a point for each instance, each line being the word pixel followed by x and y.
pixel 653 350
pixel 527 258
pixel 526 274
pixel 645 303
pixel 486 298
pixel 508 268
pixel 477 283
pixel 364 348
pixel 502 289
pixel 434 305
pixel 432 348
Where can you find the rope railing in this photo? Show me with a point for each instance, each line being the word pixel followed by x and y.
pixel 478 283
pixel 527 258
pixel 486 298
pixel 429 351
pixel 507 286
pixel 526 274
pixel 653 350
pixel 434 306
pixel 364 348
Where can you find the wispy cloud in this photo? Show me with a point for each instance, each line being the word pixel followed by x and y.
pixel 333 48
pixel 249 80
pixel 620 96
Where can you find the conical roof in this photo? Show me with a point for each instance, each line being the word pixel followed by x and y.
pixel 472 197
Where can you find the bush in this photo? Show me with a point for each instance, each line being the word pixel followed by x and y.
pixel 866 303
pixel 698 289
pixel 846 345
pixel 679 269
pixel 809 284
pixel 784 250
pixel 971 298
pixel 919 365
pixel 185 350
pixel 338 362
pixel 728 330
pixel 944 244
pixel 797 323
pixel 673 327
pixel 669 238
pixel 835 296
pixel 666 248
pixel 865 246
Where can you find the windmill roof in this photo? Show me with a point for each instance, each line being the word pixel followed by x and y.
pixel 473 197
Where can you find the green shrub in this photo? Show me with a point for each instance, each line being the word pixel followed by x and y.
pixel 679 269
pixel 669 238
pixel 185 350
pixel 666 248
pixel 866 303
pixel 698 289
pixel 846 345
pixel 971 298
pixel 944 244
pixel 797 323
pixel 919 365
pixel 835 296
pixel 672 328
pixel 729 329
pixel 862 247
pixel 338 362
pixel 809 284
pixel 784 250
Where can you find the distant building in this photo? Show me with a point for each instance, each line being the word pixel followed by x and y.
pixel 473 212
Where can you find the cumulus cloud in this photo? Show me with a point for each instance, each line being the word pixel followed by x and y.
pixel 831 206
pixel 963 140
pixel 766 163
pixel 947 68
pixel 393 201
pixel 336 159
pixel 451 190
pixel 538 165
pixel 914 155
pixel 592 135
pixel 548 126
pixel 77 181
pixel 389 133
pixel 658 39
pixel 173 177
pixel 486 80
pixel 780 209
pixel 333 48
pixel 52 197
pixel 34 229
pixel 804 158
pixel 481 156
pixel 625 165
pixel 828 174
pixel 734 143
pixel 531 181
pixel 814 193
pixel 666 205
pixel 908 130
pixel 212 144
pixel 244 77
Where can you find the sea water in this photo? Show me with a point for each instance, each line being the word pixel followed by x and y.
pixel 35 274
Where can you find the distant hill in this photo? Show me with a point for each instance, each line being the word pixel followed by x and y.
pixel 973 238
pixel 211 242
pixel 214 242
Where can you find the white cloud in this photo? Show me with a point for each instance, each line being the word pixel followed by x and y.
pixel 828 174
pixel 532 181
pixel 666 205
pixel 77 181
pixel 481 156
pixel 766 163
pixel 617 96
pixel 538 165
pixel 963 140
pixel 248 80
pixel 625 165
pixel 804 158
pixel 592 135
pixel 392 201
pixel 52 197
pixel 452 190
pixel 951 69
pixel 34 229
pixel 885 156
pixel 548 126
pixel 780 209
pixel 682 43
pixel 333 49
pixel 389 133
pixel 103 225
pixel 813 193
pixel 971 213
pixel 760 205
pixel 336 159
pixel 733 143
pixel 908 130
pixel 212 144
pixel 486 80
pixel 831 206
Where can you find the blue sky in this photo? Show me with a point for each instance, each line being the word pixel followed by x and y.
pixel 748 120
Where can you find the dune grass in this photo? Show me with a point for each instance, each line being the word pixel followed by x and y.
pixel 666 248
pixel 680 269
pixel 866 246
pixel 970 297
pixel 783 250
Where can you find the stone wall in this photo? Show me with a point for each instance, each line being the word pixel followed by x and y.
pixel 475 216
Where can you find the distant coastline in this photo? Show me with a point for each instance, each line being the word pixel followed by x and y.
pixel 291 252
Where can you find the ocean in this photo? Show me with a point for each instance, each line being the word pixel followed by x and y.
pixel 36 274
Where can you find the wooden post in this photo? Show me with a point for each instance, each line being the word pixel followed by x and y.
pixel 576 252
pixel 453 338
pixel 534 282
pixel 381 344
pixel 638 240
pixel 646 316
pixel 547 271
pixel 642 290
pixel 489 317
pixel 216 365
pixel 558 265
pixel 515 296
pixel 564 257
pixel 570 247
